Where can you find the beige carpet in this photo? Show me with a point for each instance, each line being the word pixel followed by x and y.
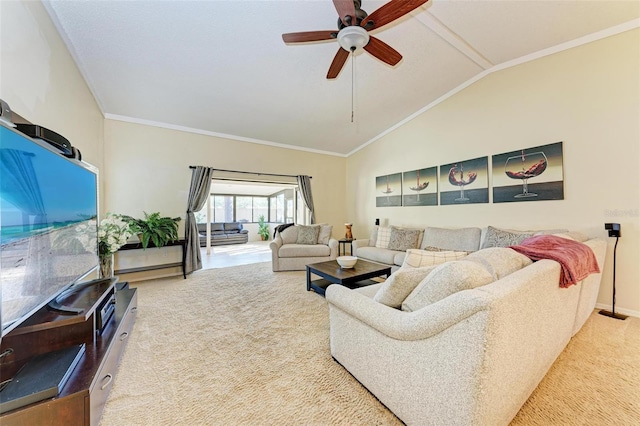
pixel 243 345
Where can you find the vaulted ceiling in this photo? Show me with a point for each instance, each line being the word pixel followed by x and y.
pixel 222 68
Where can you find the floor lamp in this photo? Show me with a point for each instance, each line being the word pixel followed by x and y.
pixel 614 231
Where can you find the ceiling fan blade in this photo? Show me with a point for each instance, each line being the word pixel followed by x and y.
pixel 338 63
pixel 383 51
pixel 309 36
pixel 346 11
pixel 389 13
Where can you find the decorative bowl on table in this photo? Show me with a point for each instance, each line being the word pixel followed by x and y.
pixel 346 262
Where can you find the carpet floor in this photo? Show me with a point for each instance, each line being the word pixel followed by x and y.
pixel 246 346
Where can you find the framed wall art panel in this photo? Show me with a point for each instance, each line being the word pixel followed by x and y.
pixel 389 190
pixel 530 174
pixel 420 187
pixel 465 182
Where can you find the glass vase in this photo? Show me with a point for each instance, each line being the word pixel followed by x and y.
pixel 106 266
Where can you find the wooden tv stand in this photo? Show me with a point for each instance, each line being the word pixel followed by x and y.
pixel 82 399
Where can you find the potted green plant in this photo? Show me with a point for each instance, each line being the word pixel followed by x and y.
pixel 155 228
pixel 263 228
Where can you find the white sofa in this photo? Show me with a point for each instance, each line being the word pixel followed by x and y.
pixel 472 358
pixel 462 239
pixel 288 253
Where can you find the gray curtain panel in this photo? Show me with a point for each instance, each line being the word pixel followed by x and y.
pixel 198 193
pixel 304 184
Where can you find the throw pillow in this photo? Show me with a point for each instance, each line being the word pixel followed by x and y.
pixel 499 261
pixel 445 280
pixel 308 234
pixel 373 237
pixel 384 235
pixel 504 237
pixel 289 235
pixel 325 234
pixel 400 284
pixel 416 258
pixel 403 239
pixel 573 235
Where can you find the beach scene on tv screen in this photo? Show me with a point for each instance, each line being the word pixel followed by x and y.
pixel 48 229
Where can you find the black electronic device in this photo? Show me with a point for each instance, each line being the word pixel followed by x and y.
pixel 48 210
pixel 41 378
pixel 49 136
pixel 105 311
pixel 613 228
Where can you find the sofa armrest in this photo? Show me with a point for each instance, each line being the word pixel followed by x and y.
pixel 275 244
pixel 419 325
pixel 333 245
pixel 356 244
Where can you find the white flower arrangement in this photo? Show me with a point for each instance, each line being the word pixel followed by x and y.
pixel 113 233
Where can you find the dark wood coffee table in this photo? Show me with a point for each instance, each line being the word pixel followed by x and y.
pixel 332 273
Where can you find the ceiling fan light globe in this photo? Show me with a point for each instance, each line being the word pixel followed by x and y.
pixel 353 37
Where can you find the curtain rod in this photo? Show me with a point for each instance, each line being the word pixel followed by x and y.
pixel 250 173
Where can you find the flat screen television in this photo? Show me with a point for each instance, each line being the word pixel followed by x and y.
pixel 48 225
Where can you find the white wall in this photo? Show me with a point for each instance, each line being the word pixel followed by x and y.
pixel 587 97
pixel 147 169
pixel 41 82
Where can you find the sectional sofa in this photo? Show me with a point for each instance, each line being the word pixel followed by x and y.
pixel 472 357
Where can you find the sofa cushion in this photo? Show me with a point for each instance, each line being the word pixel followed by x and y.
pixel 576 236
pixel 384 235
pixel 497 237
pixel 402 239
pixel 461 239
pixel 445 280
pixel 325 233
pixel 499 261
pixel 419 258
pixel 217 226
pixel 398 259
pixel 289 235
pixel 233 227
pixel 308 234
pixel 400 284
pixel 304 250
pixel 379 255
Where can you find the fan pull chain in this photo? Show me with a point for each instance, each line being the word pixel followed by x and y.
pixel 353 64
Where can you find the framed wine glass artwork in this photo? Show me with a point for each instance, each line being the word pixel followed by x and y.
pixel 389 190
pixel 465 182
pixel 530 174
pixel 420 187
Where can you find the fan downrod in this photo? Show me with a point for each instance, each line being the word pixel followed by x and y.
pixel 360 16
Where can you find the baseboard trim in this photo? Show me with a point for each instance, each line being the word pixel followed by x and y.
pixel 628 312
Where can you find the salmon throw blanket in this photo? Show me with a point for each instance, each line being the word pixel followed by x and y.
pixel 576 259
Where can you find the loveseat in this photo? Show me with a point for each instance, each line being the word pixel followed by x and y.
pixel 472 357
pixel 223 233
pixel 296 246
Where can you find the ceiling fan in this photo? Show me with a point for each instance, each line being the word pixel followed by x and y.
pixel 353 26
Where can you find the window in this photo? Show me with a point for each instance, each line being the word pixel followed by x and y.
pixel 244 209
pixel 223 208
pixel 276 208
pixel 241 208
pixel 260 207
